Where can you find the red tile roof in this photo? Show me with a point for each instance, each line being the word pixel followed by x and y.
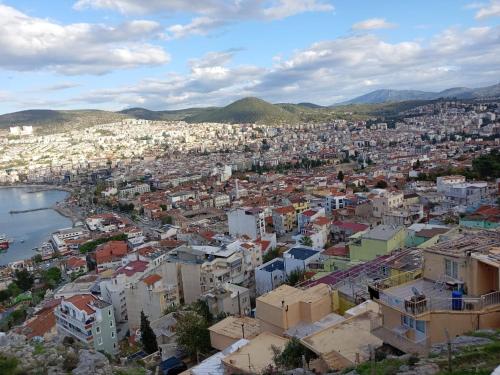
pixel 339 251
pixel 151 279
pixel 110 251
pixel 321 221
pixel 75 262
pixel 285 210
pixel 353 227
pixel 82 302
pixel 132 268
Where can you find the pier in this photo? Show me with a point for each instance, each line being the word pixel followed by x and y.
pixel 12 212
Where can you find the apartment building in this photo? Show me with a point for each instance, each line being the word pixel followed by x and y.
pixel 372 243
pixel 153 294
pixel 284 219
pixel 386 201
pixel 229 298
pixel 246 221
pixel 269 276
pixel 130 191
pixel 335 202
pixel 459 292
pixel 308 216
pixel 88 320
pixel 286 307
pixel 298 258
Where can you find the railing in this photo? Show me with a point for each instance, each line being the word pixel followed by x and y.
pixel 463 303
pixel 396 280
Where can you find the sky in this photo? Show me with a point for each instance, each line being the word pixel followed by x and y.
pixel 171 54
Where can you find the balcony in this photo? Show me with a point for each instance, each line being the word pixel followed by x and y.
pixel 77 334
pixel 420 296
pixel 398 338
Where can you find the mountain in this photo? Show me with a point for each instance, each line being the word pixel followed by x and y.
pixel 50 118
pixel 384 96
pixel 247 110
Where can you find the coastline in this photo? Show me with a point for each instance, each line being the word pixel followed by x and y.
pixel 42 187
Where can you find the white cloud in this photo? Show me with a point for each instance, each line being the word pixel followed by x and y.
pixel 373 24
pixel 325 72
pixel 29 43
pixel 489 10
pixel 210 14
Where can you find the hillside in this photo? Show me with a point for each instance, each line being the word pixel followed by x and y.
pixel 247 110
pixel 385 96
pixel 173 115
pixel 50 118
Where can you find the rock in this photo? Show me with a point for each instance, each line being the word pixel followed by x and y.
pixel 404 368
pixel 460 342
pixel 92 362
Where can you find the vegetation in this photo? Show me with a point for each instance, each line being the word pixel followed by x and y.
pixel 271 254
pixel 166 220
pixel 487 166
pixel 381 184
pixel 340 176
pixel 52 276
pixel 8 365
pixel 296 276
pixel 24 280
pixel 91 245
pixel 148 337
pixel 292 355
pixel 306 241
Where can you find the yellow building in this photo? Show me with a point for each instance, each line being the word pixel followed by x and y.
pixel 287 306
pixel 459 292
pixel 229 330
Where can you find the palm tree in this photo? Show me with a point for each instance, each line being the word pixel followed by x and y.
pixel 306 241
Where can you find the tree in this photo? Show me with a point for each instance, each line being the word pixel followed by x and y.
pixel 296 276
pixel 340 176
pixel 381 184
pixel 192 333
pixel 24 280
pixel 52 276
pixel 148 337
pixel 306 241
pixel 291 356
pixel 166 220
pixel 270 255
pixel 37 259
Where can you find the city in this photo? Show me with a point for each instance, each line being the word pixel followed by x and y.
pixel 248 235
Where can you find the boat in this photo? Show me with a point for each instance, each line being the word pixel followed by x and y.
pixel 4 242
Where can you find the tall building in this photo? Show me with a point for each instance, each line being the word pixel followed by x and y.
pixel 246 221
pixel 88 320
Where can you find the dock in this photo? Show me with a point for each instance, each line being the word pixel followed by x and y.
pixel 12 212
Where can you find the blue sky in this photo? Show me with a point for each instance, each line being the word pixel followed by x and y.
pixel 169 54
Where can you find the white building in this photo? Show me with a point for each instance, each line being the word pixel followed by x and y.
pixel 269 276
pixel 246 221
pixel 298 258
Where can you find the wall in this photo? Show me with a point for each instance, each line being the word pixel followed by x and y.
pixel 107 329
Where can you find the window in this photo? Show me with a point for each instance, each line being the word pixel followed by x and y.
pixel 407 321
pixel 420 326
pixel 109 312
pixel 111 323
pixel 451 268
pixel 98 329
pixel 113 334
pixel 99 340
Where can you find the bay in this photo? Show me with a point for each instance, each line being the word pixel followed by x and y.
pixel 29 230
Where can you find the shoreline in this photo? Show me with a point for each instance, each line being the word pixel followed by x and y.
pixel 42 186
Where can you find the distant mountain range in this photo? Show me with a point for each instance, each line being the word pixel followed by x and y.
pixel 385 96
pixel 252 110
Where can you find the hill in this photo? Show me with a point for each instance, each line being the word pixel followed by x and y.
pixel 247 110
pixel 173 115
pixel 385 96
pixel 50 118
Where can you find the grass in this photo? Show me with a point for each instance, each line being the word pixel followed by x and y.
pixel 385 367
pixel 39 349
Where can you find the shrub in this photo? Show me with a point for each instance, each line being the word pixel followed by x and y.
pixel 70 361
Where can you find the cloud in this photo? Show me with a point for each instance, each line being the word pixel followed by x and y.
pixel 490 10
pixel 29 43
pixel 373 24
pixel 325 72
pixel 210 14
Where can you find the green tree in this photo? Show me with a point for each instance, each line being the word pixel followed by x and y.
pixel 340 176
pixel 295 277
pixel 24 280
pixel 37 259
pixel 192 333
pixel 306 241
pixel 8 365
pixel 166 220
pixel 148 337
pixel 291 356
pixel 270 255
pixel 52 276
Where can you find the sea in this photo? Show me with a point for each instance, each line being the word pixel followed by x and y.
pixel 30 229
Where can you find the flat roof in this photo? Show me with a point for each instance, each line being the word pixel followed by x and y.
pixel 382 232
pixel 232 327
pixel 303 329
pixel 302 253
pixel 273 265
pixel 346 338
pixel 257 354
pixel 288 294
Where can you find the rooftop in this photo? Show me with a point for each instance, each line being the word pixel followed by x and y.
pixel 302 253
pixel 382 232
pixel 233 327
pixel 288 294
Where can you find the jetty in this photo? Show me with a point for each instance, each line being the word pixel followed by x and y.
pixel 12 212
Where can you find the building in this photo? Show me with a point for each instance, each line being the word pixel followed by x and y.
pixel 231 329
pixel 299 258
pixel 269 276
pixel 459 292
pixel 152 294
pixel 229 299
pixel 385 202
pixel 342 230
pixel 308 216
pixel 88 320
pixel 380 240
pixel 335 202
pixel 284 219
pixel 130 191
pixel 286 307
pixel 246 221
pixel 254 357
